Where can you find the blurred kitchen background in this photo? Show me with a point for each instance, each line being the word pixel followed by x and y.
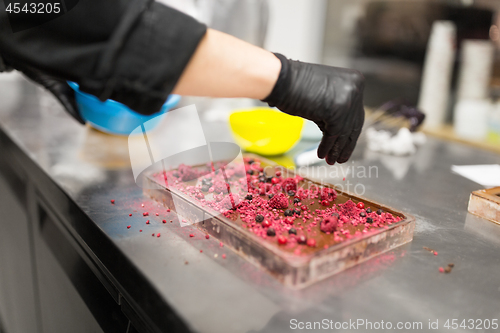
pixel 440 55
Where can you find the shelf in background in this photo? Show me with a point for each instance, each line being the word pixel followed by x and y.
pixel 446 132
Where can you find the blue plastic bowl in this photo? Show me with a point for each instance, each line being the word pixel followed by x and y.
pixel 114 117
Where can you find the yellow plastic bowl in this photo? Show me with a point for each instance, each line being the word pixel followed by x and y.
pixel 265 131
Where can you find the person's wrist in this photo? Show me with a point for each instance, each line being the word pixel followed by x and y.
pixel 265 75
pixel 281 84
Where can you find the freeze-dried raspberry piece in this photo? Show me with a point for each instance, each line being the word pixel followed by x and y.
pixel 220 186
pixel 187 173
pixel 328 194
pixel 329 224
pixel 279 201
pixel 289 184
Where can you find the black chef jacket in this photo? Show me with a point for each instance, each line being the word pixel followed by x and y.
pixel 132 51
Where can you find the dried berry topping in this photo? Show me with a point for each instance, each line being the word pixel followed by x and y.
pixel 271 232
pixel 282 240
pixel 279 201
pixel 328 193
pixel 288 212
pixel 259 218
pixel 311 242
pixel 289 184
pixel 329 224
pixel 187 173
pixel 369 220
pixel 292 231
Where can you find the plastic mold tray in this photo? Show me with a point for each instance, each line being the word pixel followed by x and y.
pixel 291 269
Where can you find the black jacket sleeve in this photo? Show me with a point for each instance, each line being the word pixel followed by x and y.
pixel 132 51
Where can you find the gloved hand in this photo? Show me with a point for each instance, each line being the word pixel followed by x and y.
pixel 332 97
pixel 59 88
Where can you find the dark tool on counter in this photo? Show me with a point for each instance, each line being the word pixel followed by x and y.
pixel 395 114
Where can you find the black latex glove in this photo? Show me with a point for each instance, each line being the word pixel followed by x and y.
pixel 332 97
pixel 59 88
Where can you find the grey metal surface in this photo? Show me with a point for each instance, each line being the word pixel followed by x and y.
pixel 230 295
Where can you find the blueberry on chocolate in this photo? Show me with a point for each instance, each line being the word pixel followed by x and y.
pixel 269 179
pixel 362 214
pixel 369 220
pixel 368 210
pixel 251 161
pixel 205 188
pixel 297 211
pixel 249 197
pixel 296 200
pixel 288 212
pixel 291 193
pixel 380 211
pixel 259 218
pixel 270 196
pixel 262 179
pixel 250 172
pixel 292 231
pixel 271 232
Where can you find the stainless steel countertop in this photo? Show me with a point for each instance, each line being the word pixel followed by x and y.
pixel 231 295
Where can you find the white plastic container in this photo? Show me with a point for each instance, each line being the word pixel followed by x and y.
pixel 475 69
pixel 471 118
pixel 436 78
pixel 494 124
